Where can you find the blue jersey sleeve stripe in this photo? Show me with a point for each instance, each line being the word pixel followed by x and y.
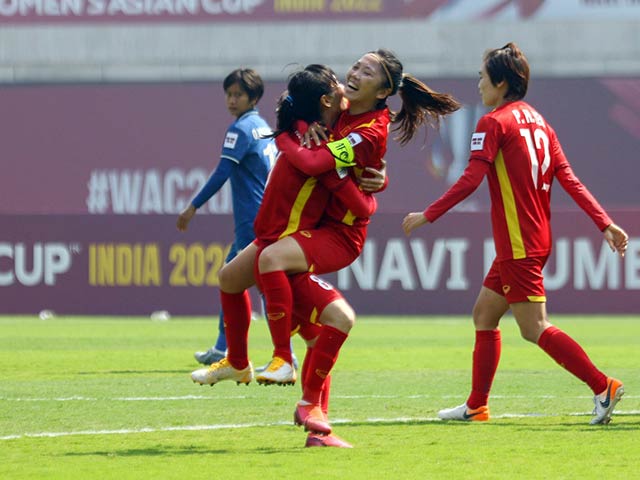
pixel 233 159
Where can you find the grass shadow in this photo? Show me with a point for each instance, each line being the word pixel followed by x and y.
pixel 134 372
pixel 169 451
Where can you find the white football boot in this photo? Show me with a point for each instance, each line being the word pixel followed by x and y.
pixel 222 370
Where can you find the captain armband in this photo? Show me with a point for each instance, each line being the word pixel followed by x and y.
pixel 342 150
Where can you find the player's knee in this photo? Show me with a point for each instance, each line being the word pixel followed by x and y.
pixel 224 278
pixel 340 315
pixel 348 318
pixel 483 322
pixel 530 335
pixel 269 260
pixel 227 280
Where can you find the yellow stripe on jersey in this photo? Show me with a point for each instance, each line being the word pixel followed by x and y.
pixel 537 299
pixel 366 125
pixel 314 315
pixel 348 129
pixel 349 217
pixel 298 206
pixel 510 211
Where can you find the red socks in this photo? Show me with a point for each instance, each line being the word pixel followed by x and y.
pixel 322 359
pixel 324 395
pixel 326 385
pixel 486 355
pixel 557 344
pixel 237 319
pixel 279 300
pixel 570 355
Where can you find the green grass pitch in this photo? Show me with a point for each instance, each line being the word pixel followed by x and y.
pixel 111 398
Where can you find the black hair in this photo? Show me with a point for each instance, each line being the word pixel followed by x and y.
pixel 420 104
pixel 301 100
pixel 510 65
pixel 249 81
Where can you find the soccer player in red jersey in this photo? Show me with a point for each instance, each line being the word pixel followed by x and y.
pixel 293 200
pixel 359 140
pixel 519 153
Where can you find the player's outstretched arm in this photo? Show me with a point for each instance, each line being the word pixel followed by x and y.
pixel 617 239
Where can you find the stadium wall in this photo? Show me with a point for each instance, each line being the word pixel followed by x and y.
pixel 157 40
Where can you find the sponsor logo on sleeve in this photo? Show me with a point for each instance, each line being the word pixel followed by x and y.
pixel 354 139
pixel 477 141
pixel 230 140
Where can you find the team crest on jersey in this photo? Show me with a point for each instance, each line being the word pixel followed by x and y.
pixel 477 141
pixel 230 140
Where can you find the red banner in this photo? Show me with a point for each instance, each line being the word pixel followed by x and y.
pixel 93 177
pixel 139 149
pixel 134 265
pixel 118 11
pixel 251 11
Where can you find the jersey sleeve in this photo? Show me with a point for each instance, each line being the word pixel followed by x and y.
pixel 556 152
pixel 469 181
pixel 367 142
pixel 360 204
pixel 485 141
pixel 312 162
pixel 236 144
pixel 581 195
pixel 214 183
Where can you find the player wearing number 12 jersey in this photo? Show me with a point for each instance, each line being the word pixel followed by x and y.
pixel 519 153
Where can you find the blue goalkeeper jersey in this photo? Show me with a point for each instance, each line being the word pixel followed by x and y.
pixel 246 160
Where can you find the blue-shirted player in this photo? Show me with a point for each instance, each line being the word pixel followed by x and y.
pixel 246 160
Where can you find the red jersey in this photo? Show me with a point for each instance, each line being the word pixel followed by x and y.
pixel 294 200
pixel 521 155
pixel 368 134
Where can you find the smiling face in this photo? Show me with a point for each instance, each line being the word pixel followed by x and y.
pixel 238 100
pixel 366 84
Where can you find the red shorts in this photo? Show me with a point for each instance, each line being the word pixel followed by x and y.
pixel 518 280
pixel 311 295
pixel 332 246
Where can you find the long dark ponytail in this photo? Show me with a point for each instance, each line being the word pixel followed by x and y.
pixel 420 104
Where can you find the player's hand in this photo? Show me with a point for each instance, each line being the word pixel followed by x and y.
pixel 316 133
pixel 617 239
pixel 412 221
pixel 375 180
pixel 185 217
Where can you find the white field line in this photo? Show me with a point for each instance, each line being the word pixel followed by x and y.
pixel 192 428
pixel 78 398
